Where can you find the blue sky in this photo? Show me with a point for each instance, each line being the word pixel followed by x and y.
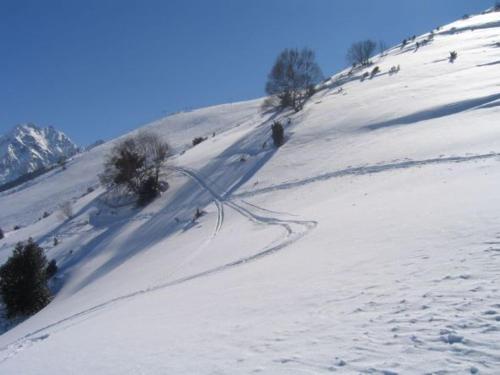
pixel 98 68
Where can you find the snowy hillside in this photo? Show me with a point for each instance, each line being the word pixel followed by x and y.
pixel 28 148
pixel 368 243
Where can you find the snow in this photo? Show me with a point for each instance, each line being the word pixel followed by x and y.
pixel 28 148
pixel 368 243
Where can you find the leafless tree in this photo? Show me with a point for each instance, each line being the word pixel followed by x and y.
pixel 135 164
pixel 360 52
pixel 382 48
pixel 293 77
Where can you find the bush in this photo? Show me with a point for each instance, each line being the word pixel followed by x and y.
pixel 23 280
pixel 197 214
pixel 16 227
pixel 394 70
pixel 134 164
pixel 1 234
pixel 365 76
pixel 375 71
pixel 51 269
pixel 278 133
pixel 45 214
pixel 453 56
pixel 360 52
pixel 55 242
pixel 293 77
pixel 198 140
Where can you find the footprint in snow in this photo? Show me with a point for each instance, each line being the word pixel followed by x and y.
pixel 452 338
pixel 490 312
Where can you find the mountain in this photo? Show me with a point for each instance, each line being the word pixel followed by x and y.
pixel 28 148
pixel 368 243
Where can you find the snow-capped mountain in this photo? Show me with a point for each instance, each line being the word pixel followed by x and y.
pixel 368 243
pixel 28 148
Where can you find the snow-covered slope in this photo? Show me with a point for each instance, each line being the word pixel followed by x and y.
pixel 368 243
pixel 28 148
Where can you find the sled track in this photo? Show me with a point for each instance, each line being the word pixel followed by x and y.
pixel 295 230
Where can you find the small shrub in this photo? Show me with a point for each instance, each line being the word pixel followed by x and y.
pixel 45 214
pixel 23 280
pixel 197 214
pixel 394 70
pixel 1 234
pixel 365 76
pixel 198 140
pixel 56 241
pixel 374 72
pixel 465 17
pixel 278 134
pixel 453 56
pixel 90 189
pixel 16 227
pixel 51 269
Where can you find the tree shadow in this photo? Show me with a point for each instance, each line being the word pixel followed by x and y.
pixel 224 173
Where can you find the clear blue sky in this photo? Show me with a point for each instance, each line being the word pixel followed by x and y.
pixel 97 68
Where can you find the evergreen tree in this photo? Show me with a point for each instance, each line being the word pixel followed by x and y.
pixel 23 280
pixel 278 134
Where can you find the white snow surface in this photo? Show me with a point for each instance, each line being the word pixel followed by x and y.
pixel 368 244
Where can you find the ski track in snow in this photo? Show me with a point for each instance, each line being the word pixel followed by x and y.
pixel 403 319
pixel 295 229
pixel 218 202
pixel 364 170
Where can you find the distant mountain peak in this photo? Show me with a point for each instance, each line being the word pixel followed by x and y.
pixel 28 147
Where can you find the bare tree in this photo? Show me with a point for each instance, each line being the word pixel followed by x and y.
pixel 135 164
pixel 293 77
pixel 360 52
pixel 382 48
